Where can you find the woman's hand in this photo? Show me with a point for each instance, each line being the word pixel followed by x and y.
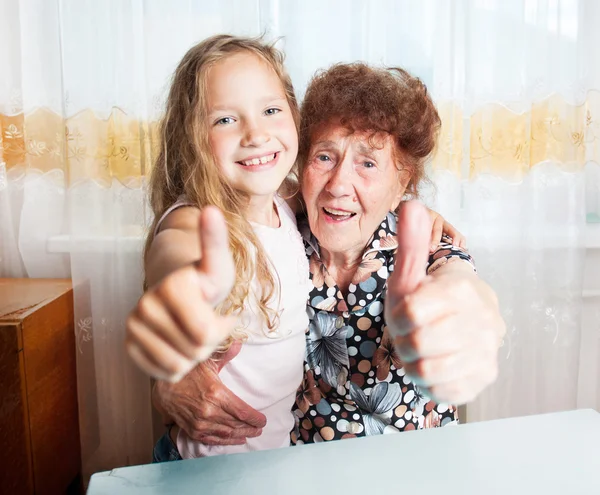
pixel 446 326
pixel 442 227
pixel 174 325
pixel 207 410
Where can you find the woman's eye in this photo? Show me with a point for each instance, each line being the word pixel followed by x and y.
pixel 323 158
pixel 272 111
pixel 369 165
pixel 224 120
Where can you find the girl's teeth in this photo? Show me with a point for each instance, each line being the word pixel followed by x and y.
pixel 259 161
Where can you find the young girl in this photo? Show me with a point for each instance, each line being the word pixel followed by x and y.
pixel 229 139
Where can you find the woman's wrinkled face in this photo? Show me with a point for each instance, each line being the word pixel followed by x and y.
pixel 350 182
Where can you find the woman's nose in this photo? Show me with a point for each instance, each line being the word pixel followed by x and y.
pixel 340 181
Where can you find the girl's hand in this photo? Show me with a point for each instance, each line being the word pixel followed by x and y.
pixel 174 325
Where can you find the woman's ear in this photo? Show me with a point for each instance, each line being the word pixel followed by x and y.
pixel 404 176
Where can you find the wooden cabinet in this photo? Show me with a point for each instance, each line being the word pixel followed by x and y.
pixel 39 427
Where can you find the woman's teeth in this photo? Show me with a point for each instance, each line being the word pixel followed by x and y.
pixel 338 214
pixel 258 161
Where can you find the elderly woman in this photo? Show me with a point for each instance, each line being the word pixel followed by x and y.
pixel 383 352
pixel 365 136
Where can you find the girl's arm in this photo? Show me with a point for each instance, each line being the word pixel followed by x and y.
pixel 176 244
pixel 174 326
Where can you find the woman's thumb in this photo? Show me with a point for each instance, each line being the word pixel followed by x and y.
pixel 229 354
pixel 414 231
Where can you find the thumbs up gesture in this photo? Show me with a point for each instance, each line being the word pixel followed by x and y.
pixel 446 326
pixel 174 325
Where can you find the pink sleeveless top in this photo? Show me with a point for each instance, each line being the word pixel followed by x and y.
pixel 269 368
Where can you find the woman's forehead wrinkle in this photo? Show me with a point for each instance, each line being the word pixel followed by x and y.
pixel 364 149
pixel 363 142
pixel 325 144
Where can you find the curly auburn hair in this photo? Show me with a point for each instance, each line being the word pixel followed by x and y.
pixel 364 98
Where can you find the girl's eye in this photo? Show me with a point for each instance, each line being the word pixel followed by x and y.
pixel 224 120
pixel 369 165
pixel 272 111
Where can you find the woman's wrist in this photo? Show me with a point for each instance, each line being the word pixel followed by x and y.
pixel 158 401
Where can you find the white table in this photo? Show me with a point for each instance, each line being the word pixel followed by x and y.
pixel 546 454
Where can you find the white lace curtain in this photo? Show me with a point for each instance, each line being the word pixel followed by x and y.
pixel 517 84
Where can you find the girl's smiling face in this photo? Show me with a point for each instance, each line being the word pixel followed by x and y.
pixel 251 127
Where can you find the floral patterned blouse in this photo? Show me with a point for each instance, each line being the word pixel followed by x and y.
pixel 354 383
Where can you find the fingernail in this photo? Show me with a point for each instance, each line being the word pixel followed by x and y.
pixel 203 354
pixel 175 378
pixel 416 379
pixel 406 353
pixel 400 326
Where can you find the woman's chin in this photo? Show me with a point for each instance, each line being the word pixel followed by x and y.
pixel 336 239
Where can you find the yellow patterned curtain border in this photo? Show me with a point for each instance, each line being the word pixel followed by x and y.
pixel 492 140
pixel 508 144
pixel 84 146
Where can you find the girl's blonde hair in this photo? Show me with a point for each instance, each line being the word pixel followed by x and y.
pixel 185 165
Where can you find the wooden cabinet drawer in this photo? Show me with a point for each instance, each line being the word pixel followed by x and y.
pixel 39 426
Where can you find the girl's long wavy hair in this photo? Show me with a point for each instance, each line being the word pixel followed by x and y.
pixel 186 166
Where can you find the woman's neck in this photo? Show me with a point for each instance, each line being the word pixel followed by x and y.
pixel 262 210
pixel 342 266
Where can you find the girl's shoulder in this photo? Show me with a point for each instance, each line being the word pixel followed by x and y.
pixel 178 215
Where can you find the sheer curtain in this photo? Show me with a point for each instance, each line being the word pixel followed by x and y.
pixel 517 85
